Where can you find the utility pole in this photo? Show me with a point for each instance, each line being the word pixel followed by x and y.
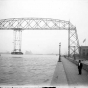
pixel 59 52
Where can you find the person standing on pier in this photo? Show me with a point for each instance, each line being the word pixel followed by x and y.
pixel 80 65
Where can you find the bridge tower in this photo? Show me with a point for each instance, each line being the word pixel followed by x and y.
pixel 73 41
pixel 17 41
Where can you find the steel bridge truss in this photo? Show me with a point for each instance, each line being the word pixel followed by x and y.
pixel 19 24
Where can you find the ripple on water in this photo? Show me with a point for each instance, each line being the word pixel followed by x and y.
pixel 30 69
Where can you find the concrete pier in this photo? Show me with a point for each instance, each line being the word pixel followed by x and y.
pixel 59 77
pixel 66 74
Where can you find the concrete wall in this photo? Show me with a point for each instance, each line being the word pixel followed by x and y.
pixel 85 67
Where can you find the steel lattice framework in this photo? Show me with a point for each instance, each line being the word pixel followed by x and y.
pixel 19 24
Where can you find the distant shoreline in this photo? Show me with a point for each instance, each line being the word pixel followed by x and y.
pixel 30 54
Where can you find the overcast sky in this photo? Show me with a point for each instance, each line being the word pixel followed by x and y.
pixel 44 41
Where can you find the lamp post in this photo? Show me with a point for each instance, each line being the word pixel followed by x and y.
pixel 74 53
pixel 59 52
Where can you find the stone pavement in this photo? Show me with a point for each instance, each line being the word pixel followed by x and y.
pixel 66 74
pixel 73 78
pixel 59 77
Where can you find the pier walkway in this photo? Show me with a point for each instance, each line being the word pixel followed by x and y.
pixel 66 74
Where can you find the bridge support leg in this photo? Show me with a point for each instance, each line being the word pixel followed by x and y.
pixel 17 41
pixel 73 42
pixel 69 42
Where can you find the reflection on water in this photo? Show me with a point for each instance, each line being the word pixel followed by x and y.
pixel 27 69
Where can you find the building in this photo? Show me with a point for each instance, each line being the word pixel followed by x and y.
pixel 83 51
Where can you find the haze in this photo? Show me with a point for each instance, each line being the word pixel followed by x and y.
pixel 44 41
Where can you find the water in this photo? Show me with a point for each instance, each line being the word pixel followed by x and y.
pixel 27 69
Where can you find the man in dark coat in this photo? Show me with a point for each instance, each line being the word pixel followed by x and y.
pixel 80 65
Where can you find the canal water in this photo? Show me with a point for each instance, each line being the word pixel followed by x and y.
pixel 27 69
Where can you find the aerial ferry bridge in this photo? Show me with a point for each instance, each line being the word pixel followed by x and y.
pixel 20 24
